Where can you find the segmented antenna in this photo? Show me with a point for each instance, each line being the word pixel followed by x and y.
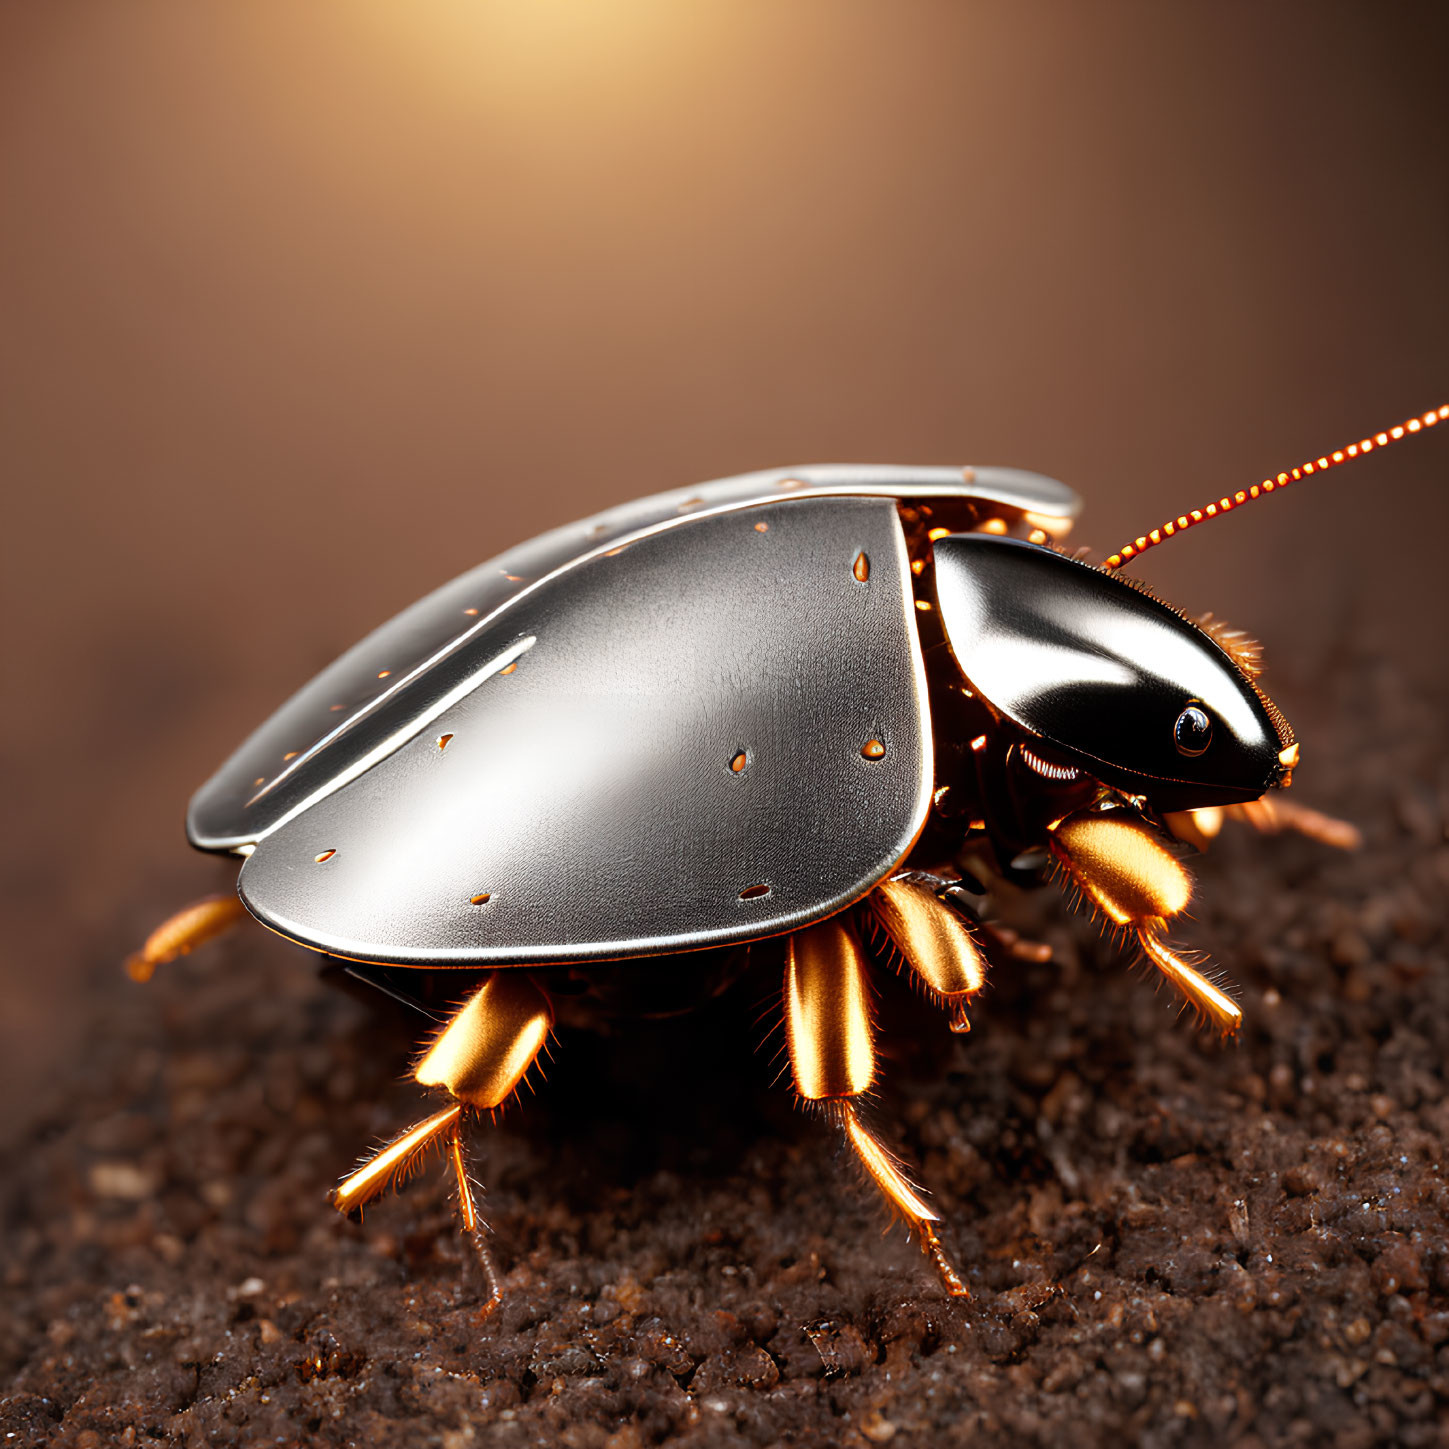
pixel 1129 551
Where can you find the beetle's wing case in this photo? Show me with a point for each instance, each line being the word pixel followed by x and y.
pixel 590 795
pixel 334 724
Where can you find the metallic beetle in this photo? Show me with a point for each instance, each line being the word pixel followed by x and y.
pixel 821 704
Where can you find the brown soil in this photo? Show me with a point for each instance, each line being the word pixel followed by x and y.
pixel 1170 1241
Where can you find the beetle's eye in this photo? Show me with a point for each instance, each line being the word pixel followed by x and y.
pixel 1193 730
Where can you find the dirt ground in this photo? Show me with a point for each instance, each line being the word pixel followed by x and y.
pixel 1170 1241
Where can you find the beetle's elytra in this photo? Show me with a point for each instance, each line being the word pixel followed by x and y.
pixel 824 706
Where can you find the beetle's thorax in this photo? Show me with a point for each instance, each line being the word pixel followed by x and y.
pixel 995 783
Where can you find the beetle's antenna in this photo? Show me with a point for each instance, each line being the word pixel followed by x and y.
pixel 1129 551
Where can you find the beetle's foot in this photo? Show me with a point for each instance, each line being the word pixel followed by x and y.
pixel 488 1271
pixel 1130 877
pixel 474 1228
pixel 479 1057
pixel 831 1042
pixel 931 1246
pixel 886 1172
pixel 189 928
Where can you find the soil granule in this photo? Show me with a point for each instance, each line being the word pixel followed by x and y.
pixel 1170 1240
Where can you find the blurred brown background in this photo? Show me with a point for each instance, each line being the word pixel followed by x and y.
pixel 304 309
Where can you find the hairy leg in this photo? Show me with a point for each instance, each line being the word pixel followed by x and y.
pixel 190 927
pixel 1271 815
pixel 479 1057
pixel 832 1057
pixel 1133 880
pixel 934 942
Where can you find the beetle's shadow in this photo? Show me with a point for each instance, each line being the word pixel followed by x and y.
pixel 619 1096
pixel 689 1095
pixel 701 1098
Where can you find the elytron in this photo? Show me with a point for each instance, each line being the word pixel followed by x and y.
pixel 826 707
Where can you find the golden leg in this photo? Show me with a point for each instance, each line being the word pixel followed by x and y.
pixel 934 942
pixel 397 1161
pixel 832 1056
pixel 1273 814
pixel 1209 999
pixel 473 1227
pixel 189 928
pixel 479 1058
pixel 827 1012
pixel 1199 828
pixel 1017 946
pixel 885 1171
pixel 1269 816
pixel 1132 879
pixel 490 1042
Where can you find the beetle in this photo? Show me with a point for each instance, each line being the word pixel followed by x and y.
pixel 826 705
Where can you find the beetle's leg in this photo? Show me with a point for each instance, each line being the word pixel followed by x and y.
pixel 1274 814
pixel 479 1057
pixel 474 1228
pixel 189 928
pixel 396 1161
pixel 832 1056
pixel 1270 816
pixel 1136 882
pixel 934 942
pixel 1017 946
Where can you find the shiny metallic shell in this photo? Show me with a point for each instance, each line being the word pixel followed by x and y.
pixel 537 766
pixel 592 794
pixel 334 722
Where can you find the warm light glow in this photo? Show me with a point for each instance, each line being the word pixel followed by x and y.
pixel 500 61
pixel 1048 523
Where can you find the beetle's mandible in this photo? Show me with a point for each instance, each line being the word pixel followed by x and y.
pixel 824 706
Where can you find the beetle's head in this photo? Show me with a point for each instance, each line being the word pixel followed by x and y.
pixel 1107 676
